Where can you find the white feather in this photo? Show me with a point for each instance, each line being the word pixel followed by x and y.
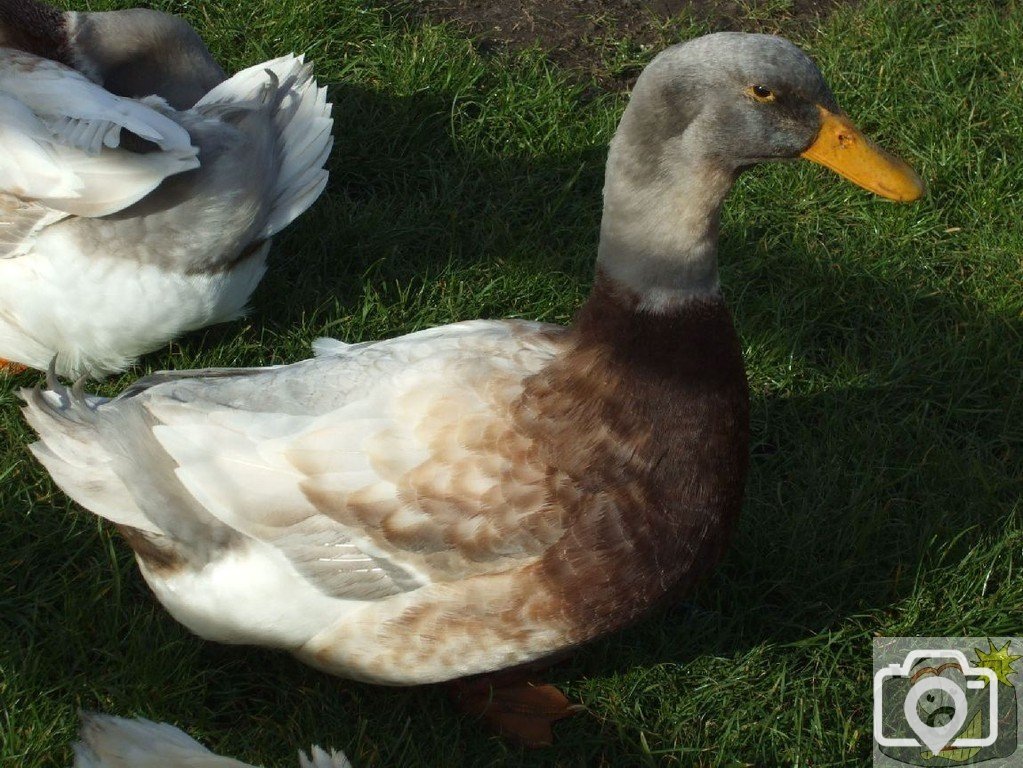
pixel 325 346
pixel 79 112
pixel 303 126
pixel 35 165
pixel 117 742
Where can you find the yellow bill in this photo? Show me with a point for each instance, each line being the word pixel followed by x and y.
pixel 842 148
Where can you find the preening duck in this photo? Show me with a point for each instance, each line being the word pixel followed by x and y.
pixel 489 494
pixel 139 188
pixel 134 52
pixel 116 742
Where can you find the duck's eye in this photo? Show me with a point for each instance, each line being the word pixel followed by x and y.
pixel 760 93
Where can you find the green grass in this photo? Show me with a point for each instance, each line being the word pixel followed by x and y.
pixel 883 343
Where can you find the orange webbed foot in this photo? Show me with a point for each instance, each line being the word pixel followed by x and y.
pixel 522 711
pixel 11 369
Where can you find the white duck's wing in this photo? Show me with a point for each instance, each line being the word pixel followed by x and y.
pixel 117 742
pixel 62 137
pixel 29 165
pixel 374 470
pixel 82 114
pixel 29 168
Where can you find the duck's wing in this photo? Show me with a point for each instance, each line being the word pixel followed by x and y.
pixel 106 741
pixel 116 742
pixel 63 140
pixel 80 113
pixel 374 470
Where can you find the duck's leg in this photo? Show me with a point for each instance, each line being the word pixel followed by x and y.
pixel 514 704
pixel 6 366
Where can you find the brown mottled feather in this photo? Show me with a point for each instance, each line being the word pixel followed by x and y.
pixel 475 503
pixel 160 559
pixel 624 466
pixel 645 426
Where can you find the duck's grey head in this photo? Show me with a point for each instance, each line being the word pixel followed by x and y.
pixel 742 99
pixel 700 113
pixel 135 52
pixel 139 52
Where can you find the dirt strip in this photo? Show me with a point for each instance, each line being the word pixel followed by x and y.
pixel 585 35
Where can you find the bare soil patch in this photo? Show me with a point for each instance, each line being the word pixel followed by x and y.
pixel 585 35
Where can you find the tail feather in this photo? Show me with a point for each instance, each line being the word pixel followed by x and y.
pixel 70 450
pixel 305 141
pixel 302 122
pixel 104 455
pixel 246 85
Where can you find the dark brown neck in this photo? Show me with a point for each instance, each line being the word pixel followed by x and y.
pixel 689 342
pixel 647 415
pixel 35 28
pixel 673 384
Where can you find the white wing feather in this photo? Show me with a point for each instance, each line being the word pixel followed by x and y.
pixel 61 135
pixel 30 166
pixel 117 742
pixel 80 113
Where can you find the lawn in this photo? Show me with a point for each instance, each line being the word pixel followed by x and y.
pixel 883 343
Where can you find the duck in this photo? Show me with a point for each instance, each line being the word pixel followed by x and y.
pixel 133 52
pixel 467 503
pixel 106 741
pixel 140 188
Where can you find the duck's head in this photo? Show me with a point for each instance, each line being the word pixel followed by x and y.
pixel 700 113
pixel 134 52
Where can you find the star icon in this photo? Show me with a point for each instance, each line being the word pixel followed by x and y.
pixel 998 660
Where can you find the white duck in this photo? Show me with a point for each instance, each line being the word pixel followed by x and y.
pixel 124 220
pixel 489 494
pixel 117 742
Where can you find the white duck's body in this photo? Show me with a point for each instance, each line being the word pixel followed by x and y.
pixel 117 742
pixel 125 222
